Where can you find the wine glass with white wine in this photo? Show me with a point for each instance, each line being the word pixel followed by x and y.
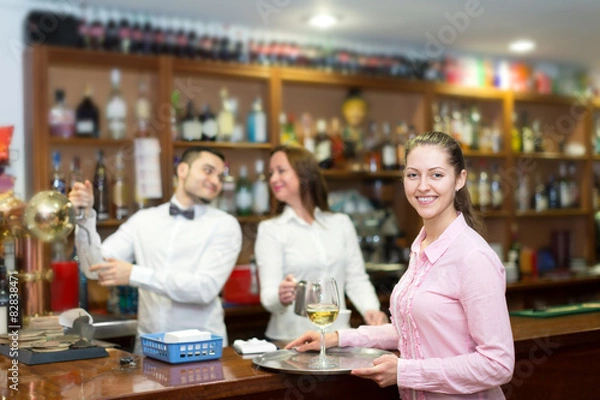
pixel 322 308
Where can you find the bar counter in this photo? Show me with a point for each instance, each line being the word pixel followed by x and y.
pixel 557 358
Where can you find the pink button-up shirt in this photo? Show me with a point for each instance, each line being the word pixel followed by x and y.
pixel 449 320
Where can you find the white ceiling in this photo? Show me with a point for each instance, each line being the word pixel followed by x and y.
pixel 565 30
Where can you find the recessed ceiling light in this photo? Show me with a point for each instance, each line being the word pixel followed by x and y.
pixel 521 46
pixel 323 21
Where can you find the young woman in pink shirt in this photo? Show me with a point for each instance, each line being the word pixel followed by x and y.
pixel 450 320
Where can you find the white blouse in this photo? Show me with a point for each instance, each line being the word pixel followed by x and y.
pixel 328 247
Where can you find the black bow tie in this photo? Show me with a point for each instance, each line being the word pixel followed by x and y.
pixel 174 210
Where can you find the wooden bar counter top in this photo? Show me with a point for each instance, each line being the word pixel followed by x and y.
pixel 557 358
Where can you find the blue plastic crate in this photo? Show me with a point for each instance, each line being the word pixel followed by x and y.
pixel 175 353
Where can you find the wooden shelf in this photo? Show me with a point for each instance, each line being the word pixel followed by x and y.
pixel 221 68
pixel 487 94
pixel 494 214
pixel 347 174
pixel 570 212
pixel 546 99
pixel 110 223
pixel 253 219
pixel 80 58
pixel 223 145
pixel 483 154
pixel 552 156
pixel 93 142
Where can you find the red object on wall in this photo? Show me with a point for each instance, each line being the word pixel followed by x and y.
pixel 6 133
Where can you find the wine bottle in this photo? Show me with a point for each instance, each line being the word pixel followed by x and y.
pixel 116 108
pixel 143 109
pixel 120 191
pixel 260 190
pixel 87 116
pixel 101 188
pixel 61 118
pixel 75 173
pixel 191 127
pixel 389 153
pixel 226 120
pixel 257 123
pixel 243 193
pixel 323 146
pixel 209 124
pixel 227 198
pixel 58 179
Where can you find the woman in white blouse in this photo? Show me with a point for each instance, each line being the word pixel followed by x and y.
pixel 305 240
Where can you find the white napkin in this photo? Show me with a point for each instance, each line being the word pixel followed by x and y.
pixel 253 346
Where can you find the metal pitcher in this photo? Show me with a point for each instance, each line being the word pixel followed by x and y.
pixel 300 302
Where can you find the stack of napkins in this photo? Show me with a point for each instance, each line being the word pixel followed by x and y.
pixel 186 335
pixel 253 346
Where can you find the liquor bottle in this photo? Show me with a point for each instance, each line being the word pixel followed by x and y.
pixel 337 143
pixel 243 193
pixel 111 32
pixel 75 174
pixel 323 148
pixel 136 35
pixel 527 137
pixel 101 188
pixel 564 195
pixel 209 124
pixel 472 186
pixel 4 289
pixel 540 197
pixel 574 193
pixel 260 190
pixel 61 118
pixel 143 109
pixel 389 152
pixel 116 108
pixel 522 197
pixel 467 129
pixel 372 144
pixel 225 120
pixel 538 142
pixel 516 139
pixel 456 125
pixel 308 139
pixel 552 188
pixel 288 131
pixel 496 188
pixel 257 123
pixel 97 29
pixel 227 198
pixel 484 189
pixel 182 46
pixel 87 116
pixel 57 182
pixel 191 127
pixel 120 189
pixel 147 45
pixel 475 123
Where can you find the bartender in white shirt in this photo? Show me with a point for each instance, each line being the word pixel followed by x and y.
pixel 305 240
pixel 179 254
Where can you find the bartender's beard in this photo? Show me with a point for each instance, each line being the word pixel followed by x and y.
pixel 197 199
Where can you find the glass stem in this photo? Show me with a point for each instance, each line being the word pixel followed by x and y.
pixel 322 354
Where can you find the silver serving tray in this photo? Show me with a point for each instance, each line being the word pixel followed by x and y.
pixel 293 362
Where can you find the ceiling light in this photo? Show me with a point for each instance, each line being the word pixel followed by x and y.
pixel 323 21
pixel 521 46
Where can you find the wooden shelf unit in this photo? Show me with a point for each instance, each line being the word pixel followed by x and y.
pixel 278 85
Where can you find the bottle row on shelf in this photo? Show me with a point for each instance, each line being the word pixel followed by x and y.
pixel 189 125
pixel 143 33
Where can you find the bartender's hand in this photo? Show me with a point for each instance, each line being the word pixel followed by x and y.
pixel 113 272
pixel 375 317
pixel 82 196
pixel 384 371
pixel 311 340
pixel 287 290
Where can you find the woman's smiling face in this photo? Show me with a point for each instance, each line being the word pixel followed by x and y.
pixel 430 182
pixel 283 179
